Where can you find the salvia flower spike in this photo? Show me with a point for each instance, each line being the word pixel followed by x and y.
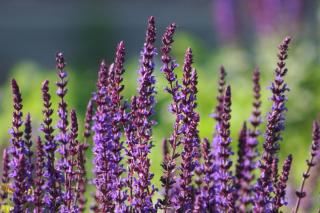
pixel 81 161
pixel 281 186
pixel 143 189
pixel 52 195
pixel 169 162
pixel 62 125
pixel 39 179
pixel 190 137
pixel 116 111
pixel 275 125
pixel 102 144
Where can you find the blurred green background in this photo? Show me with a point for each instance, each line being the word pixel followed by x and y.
pixel 240 35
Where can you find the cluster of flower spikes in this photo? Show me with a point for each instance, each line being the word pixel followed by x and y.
pixel 197 174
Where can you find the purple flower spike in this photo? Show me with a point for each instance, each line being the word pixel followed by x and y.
pixel 82 177
pixel 275 125
pixel 39 180
pixel 216 139
pixel 204 200
pixel 103 146
pixel 62 125
pixel 221 89
pixel 16 132
pixel 282 185
pixel 248 141
pixel 190 138
pixel 311 162
pixel 142 110
pixel 168 179
pixel 248 152
pixel 71 177
pixel 5 176
pixel 28 149
pixel 243 169
pixel 225 190
pixel 81 162
pixel 88 120
pixel 52 195
pixel 19 185
pixel 116 111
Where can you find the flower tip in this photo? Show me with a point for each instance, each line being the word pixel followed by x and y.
pixel 45 84
pixel 103 63
pixel 287 39
pixel 59 57
pixel 228 91
pixel 151 19
pixel 14 82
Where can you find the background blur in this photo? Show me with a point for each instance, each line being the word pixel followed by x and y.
pixel 241 35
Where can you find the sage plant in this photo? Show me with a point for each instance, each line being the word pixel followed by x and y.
pixel 198 175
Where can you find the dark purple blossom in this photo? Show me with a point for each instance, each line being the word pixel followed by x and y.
pixel 88 120
pixel 19 185
pixel 71 177
pixel 62 125
pixel 275 125
pixel 203 200
pixel 81 161
pixel 103 145
pixel 168 178
pixel 52 195
pixel 243 168
pixel 116 108
pixel 247 150
pixel 280 189
pixel 39 178
pixel 16 132
pixel 28 149
pixel 216 139
pixel 190 137
pixel 142 107
pixel 225 190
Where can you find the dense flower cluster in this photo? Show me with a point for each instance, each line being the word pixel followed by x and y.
pixel 197 174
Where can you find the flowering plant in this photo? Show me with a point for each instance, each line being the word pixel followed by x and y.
pixel 197 176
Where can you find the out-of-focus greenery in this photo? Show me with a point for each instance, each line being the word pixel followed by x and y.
pixel 303 102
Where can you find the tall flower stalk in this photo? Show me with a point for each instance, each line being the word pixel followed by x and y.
pixel 62 136
pixel 275 125
pixel 197 175
pixel 71 179
pixel 169 163
pixel 18 172
pixel 247 150
pixel 28 149
pixel 39 180
pixel 52 194
pixel 140 132
pixel 103 145
pixel 280 189
pixel 115 88
pixel 81 162
pixel 225 192
pixel 190 137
